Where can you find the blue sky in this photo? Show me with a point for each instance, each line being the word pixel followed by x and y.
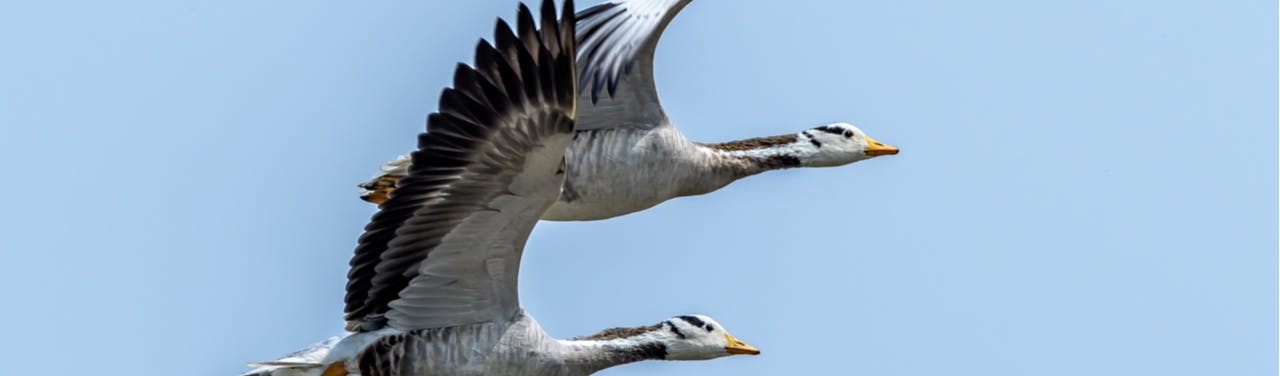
pixel 1085 187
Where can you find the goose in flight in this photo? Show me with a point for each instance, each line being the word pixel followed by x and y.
pixel 432 288
pixel 626 155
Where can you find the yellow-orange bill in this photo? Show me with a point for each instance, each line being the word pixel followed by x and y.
pixel 736 346
pixel 877 148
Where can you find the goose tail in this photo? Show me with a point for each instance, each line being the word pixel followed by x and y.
pixel 283 369
pixel 377 189
pixel 305 362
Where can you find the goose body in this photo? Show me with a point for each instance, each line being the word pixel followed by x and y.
pixel 626 154
pixel 616 171
pixel 432 288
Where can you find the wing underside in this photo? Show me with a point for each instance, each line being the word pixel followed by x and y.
pixel 444 248
pixel 616 43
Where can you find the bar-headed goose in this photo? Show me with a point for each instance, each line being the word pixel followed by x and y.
pixel 626 155
pixel 432 287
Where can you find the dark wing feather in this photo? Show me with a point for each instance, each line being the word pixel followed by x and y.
pixel 483 151
pixel 616 43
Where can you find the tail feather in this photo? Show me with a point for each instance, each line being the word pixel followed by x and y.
pixel 377 190
pixel 283 369
pixel 305 362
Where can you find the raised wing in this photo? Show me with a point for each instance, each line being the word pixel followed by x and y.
pixel 616 41
pixel 444 249
pixel 615 63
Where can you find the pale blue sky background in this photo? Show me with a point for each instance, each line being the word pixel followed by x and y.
pixel 1085 187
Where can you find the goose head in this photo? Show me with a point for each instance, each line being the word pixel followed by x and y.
pixel 838 144
pixel 698 337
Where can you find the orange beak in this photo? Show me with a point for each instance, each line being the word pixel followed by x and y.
pixel 737 347
pixel 877 148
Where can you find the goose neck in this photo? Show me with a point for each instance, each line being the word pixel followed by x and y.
pixel 755 155
pixel 616 346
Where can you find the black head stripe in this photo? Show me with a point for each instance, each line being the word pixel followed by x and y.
pixel 811 139
pixel 830 129
pixel 674 329
pixel 692 320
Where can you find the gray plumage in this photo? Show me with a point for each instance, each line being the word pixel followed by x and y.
pixel 439 262
pixel 432 288
pixel 627 155
pixel 515 347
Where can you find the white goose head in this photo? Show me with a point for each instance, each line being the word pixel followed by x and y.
pixel 698 337
pixel 837 144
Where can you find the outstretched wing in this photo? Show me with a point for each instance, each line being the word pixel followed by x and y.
pixel 616 41
pixel 444 249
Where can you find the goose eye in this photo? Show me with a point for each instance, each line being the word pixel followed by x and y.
pixel 710 328
pixel 848 134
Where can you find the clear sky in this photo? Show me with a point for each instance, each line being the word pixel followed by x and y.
pixel 1085 187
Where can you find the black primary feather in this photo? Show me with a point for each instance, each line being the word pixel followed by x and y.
pixel 529 71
